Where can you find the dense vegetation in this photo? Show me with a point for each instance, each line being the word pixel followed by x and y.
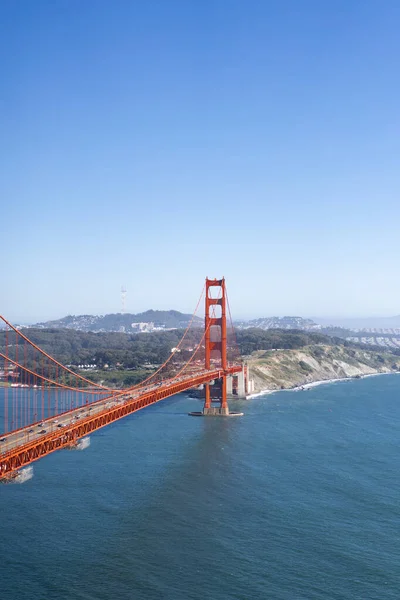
pixel 339 332
pixel 72 347
pixel 125 359
pixel 250 340
pixel 119 350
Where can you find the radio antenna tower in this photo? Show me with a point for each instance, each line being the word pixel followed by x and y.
pixel 123 299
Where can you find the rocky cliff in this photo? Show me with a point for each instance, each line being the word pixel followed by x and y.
pixel 280 369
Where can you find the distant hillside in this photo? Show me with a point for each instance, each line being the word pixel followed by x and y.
pixel 279 323
pixel 156 320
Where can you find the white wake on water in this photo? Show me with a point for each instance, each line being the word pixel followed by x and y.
pixel 23 475
pixel 83 443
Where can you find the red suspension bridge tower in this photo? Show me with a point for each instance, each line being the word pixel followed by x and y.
pixel 215 346
pixel 216 356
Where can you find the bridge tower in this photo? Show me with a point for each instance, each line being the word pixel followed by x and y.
pixel 216 347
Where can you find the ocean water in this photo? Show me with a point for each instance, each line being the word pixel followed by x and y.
pixel 297 500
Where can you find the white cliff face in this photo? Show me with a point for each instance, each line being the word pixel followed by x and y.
pixel 289 368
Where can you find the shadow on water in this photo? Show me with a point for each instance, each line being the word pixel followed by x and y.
pixel 163 549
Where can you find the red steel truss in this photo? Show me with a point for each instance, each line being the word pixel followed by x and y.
pixel 25 454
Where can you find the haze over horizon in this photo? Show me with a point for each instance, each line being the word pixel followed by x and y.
pixel 152 145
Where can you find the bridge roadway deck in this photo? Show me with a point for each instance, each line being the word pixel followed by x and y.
pixel 24 446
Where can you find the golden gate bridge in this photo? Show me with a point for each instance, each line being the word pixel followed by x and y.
pixel 48 407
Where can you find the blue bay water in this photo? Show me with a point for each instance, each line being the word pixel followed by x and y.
pixel 297 500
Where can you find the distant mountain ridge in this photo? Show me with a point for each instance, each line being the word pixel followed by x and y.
pixel 159 320
pixel 279 323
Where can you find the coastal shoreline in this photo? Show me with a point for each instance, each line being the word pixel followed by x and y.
pixel 307 386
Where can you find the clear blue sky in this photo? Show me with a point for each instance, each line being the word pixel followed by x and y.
pixel 154 143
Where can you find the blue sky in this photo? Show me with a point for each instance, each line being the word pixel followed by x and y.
pixel 152 144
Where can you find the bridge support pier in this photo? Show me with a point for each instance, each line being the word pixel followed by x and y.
pixel 216 394
pixel 214 411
